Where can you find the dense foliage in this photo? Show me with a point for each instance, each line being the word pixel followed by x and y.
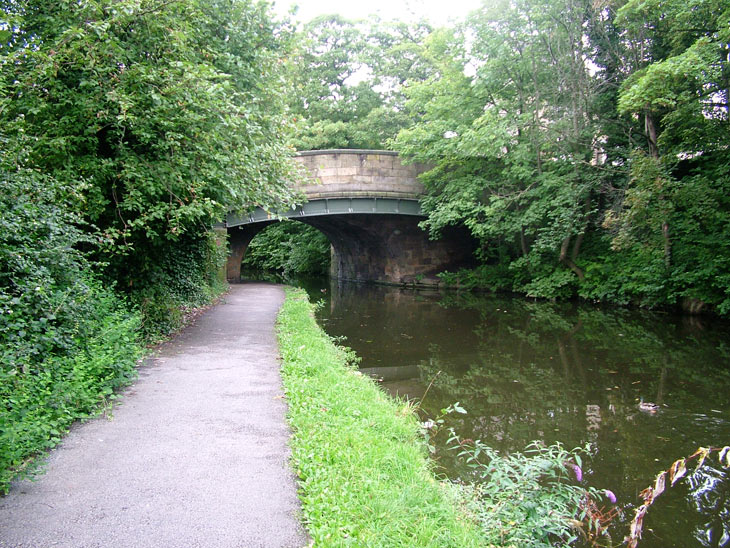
pixel 66 340
pixel 292 248
pixel 584 144
pixel 528 499
pixel 162 115
pixel 588 154
pixel 346 77
pixel 127 128
pixel 186 275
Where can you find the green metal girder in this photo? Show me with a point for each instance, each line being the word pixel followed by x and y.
pixel 331 206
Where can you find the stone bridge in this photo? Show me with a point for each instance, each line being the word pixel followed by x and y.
pixel 366 203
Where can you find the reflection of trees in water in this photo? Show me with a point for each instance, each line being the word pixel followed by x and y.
pixel 510 405
pixel 557 372
pixel 393 327
pixel 573 374
pixel 645 354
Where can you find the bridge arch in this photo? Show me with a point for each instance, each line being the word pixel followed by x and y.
pixel 366 203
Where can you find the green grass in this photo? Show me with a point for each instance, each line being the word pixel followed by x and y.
pixel 364 476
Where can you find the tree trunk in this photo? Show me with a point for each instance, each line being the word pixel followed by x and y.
pixel 650 130
pixel 523 241
pixel 576 246
pixel 651 136
pixel 567 261
pixel 667 245
pixel 579 239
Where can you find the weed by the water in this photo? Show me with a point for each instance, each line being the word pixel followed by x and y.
pixel 533 498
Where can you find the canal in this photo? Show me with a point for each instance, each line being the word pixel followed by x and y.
pixel 570 373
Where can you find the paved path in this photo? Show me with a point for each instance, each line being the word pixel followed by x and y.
pixel 195 455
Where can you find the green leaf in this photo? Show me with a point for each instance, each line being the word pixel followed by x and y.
pixel 459 409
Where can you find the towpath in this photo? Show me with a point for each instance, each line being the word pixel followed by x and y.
pixel 195 455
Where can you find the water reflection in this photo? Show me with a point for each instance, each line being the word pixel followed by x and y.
pixel 710 493
pixel 556 372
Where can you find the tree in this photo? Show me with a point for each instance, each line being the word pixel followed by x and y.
pixel 516 162
pixel 588 152
pixel 156 116
pixel 347 77
pixel 678 84
pixel 290 247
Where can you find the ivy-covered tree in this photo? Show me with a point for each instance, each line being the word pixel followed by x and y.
pixel 675 206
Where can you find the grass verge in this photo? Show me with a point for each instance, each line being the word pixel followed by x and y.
pixel 364 476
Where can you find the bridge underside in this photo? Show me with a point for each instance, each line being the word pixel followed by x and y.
pixel 383 247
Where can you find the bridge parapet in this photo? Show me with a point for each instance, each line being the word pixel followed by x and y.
pixel 360 173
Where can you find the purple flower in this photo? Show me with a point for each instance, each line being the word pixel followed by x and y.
pixel 576 469
pixel 610 495
pixel 578 473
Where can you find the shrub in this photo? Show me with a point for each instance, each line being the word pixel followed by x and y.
pixel 183 274
pixel 529 499
pixel 66 341
pixel 289 247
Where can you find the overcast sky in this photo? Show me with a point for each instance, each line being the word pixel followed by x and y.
pixel 436 11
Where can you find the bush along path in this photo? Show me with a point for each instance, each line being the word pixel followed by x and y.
pixel 194 455
pixel 364 475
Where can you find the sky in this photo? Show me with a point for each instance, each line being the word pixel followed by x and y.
pixel 436 11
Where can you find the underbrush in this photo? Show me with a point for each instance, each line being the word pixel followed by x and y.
pixel 534 498
pixel 67 342
pixel 187 274
pixel 68 339
pixel 41 398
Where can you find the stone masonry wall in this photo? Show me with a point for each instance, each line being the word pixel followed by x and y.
pixel 351 173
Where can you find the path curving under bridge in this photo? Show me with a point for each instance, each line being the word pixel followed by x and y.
pixel 366 203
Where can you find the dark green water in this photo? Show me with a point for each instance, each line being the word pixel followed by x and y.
pixel 560 372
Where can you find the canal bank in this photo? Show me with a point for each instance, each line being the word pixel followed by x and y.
pixel 195 454
pixel 558 372
pixel 364 474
